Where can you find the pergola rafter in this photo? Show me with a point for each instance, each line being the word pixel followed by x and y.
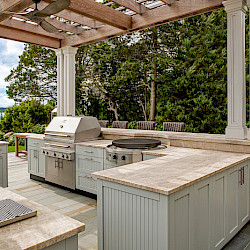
pixel 87 21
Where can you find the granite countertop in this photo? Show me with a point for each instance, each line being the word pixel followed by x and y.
pixel 99 143
pixel 179 168
pixel 43 230
pixel 36 136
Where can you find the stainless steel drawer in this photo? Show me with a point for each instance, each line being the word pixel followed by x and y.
pixel 85 182
pixel 88 163
pixel 89 151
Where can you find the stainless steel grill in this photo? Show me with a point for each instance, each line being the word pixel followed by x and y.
pixel 60 137
pixel 12 211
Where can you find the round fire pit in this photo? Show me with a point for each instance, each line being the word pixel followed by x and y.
pixel 136 143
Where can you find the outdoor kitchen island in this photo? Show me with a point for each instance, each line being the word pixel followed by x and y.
pixel 187 199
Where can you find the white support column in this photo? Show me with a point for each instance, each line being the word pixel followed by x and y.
pixel 69 80
pixel 236 80
pixel 60 82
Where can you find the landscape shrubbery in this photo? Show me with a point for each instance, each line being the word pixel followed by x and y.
pixel 28 116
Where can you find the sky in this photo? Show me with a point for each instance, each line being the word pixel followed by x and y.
pixel 9 57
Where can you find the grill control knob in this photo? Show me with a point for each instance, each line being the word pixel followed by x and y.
pixel 67 157
pixel 62 156
pixel 123 157
pixel 47 153
pixel 54 154
pixel 43 151
pixel 114 157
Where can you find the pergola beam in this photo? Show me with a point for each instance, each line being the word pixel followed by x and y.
pixel 169 2
pixel 31 28
pixel 27 37
pixel 132 5
pixel 181 9
pixel 73 17
pixel 17 7
pixel 101 13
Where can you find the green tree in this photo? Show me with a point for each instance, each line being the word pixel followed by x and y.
pixel 35 75
pixel 195 89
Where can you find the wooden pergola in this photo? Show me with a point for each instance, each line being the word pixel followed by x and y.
pixel 89 21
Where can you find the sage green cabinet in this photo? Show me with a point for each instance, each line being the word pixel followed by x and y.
pixel 88 161
pixel 36 159
pixel 4 165
pixel 204 215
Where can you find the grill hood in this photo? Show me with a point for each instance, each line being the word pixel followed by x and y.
pixel 73 128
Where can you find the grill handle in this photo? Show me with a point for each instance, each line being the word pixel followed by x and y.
pixel 60 146
pixel 57 135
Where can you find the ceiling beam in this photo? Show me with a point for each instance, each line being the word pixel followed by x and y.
pixel 132 5
pixel 32 28
pixel 27 37
pixel 181 9
pixel 101 13
pixel 73 17
pixel 19 6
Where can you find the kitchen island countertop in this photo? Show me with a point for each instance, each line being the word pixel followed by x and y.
pixel 179 168
pixel 45 229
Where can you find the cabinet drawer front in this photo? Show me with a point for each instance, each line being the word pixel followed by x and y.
pixel 3 149
pixel 90 151
pixel 85 182
pixel 35 143
pixel 148 157
pixel 88 163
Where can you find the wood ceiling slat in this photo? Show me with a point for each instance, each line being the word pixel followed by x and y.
pixel 21 5
pixel 27 37
pixel 158 16
pixel 132 5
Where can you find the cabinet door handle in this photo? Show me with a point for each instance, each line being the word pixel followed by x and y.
pixel 88 158
pixel 243 175
pixel 56 163
pixel 87 151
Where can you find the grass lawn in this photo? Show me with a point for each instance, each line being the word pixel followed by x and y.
pixel 12 148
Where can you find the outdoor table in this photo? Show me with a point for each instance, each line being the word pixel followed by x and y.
pixel 21 135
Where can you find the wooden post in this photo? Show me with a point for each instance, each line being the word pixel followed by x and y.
pixel 16 145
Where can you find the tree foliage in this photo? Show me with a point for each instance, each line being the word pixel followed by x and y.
pixel 35 75
pixel 28 116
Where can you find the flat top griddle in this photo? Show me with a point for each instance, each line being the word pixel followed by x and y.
pixel 136 143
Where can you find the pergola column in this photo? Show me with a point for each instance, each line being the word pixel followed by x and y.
pixel 60 82
pixel 236 80
pixel 69 80
pixel 66 81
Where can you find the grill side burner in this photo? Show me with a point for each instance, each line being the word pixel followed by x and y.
pixel 60 137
